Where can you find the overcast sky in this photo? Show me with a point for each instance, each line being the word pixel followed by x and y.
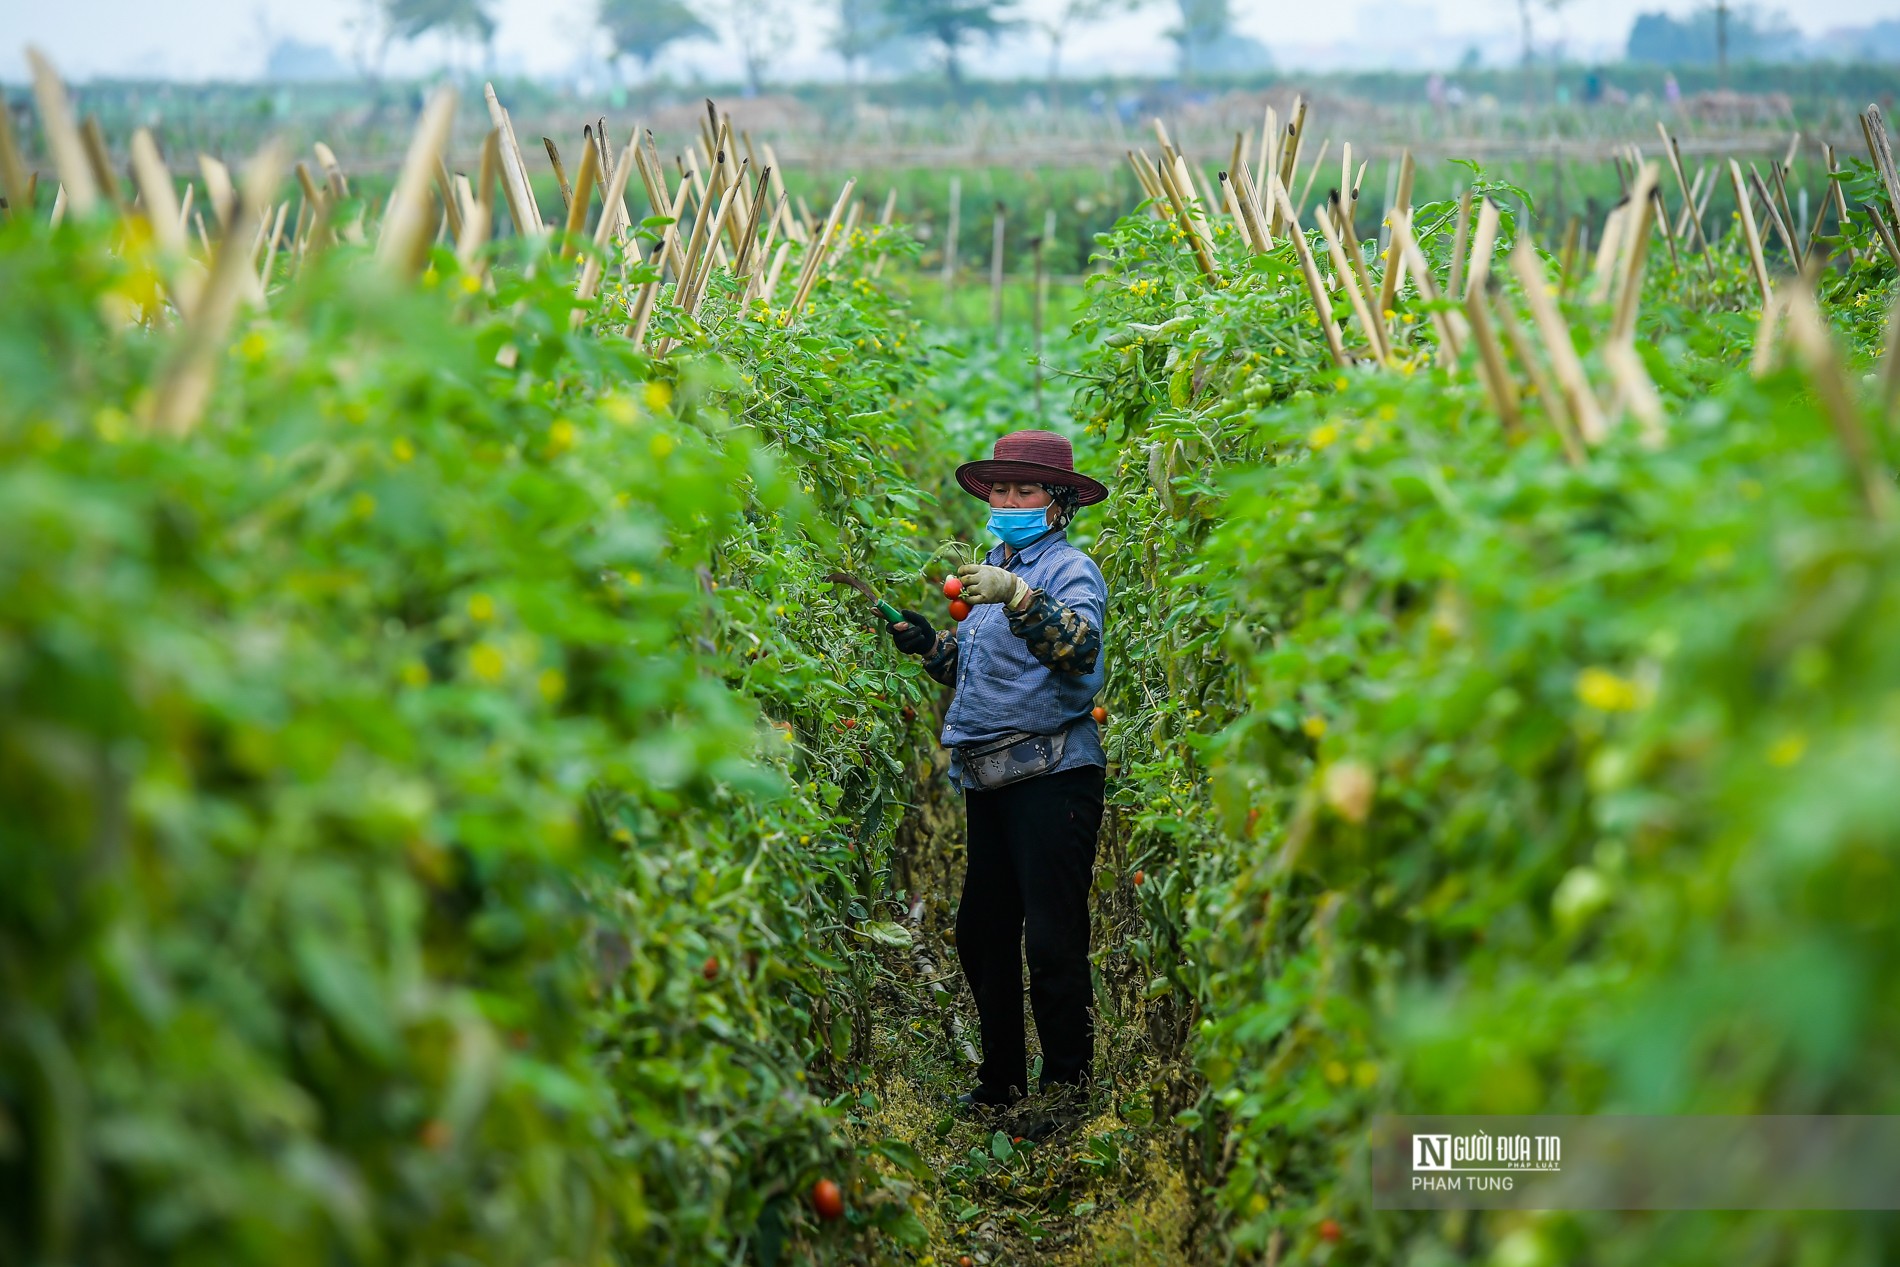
pixel 197 39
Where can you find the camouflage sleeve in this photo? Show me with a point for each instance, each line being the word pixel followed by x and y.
pixel 940 662
pixel 1061 638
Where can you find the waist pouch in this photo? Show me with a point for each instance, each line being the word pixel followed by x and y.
pixel 1013 758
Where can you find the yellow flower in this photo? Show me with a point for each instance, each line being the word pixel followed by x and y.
pixel 254 347
pixel 552 684
pixel 1365 1073
pixel 562 436
pixel 1788 749
pixel 617 408
pixel 481 607
pixel 1323 435
pixel 658 395
pixel 661 444
pixel 403 449
pixel 1604 691
pixel 1314 726
pixel 487 662
pixel 470 283
pixel 1340 383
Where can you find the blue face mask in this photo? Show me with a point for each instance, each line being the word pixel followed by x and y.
pixel 1017 528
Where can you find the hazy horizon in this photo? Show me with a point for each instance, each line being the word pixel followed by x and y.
pixel 229 39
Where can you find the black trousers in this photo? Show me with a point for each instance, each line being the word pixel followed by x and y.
pixel 1032 859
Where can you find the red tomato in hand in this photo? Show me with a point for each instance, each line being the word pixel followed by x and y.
pixel 1139 877
pixel 952 587
pixel 959 610
pixel 828 1200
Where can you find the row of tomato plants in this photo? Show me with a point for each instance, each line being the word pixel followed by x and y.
pixel 1465 779
pixel 444 813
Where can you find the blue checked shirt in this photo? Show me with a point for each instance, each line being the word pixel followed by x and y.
pixel 1036 670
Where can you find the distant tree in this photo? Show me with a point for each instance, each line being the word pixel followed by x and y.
pixel 1710 37
pixel 456 19
pixel 1204 23
pixel 951 25
pixel 1070 15
pixel 860 27
pixel 760 28
pixel 643 29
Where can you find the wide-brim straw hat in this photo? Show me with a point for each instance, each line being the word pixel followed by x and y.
pixel 1031 457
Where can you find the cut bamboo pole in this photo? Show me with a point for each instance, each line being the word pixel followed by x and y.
pixel 1492 368
pixel 185 386
pixel 1808 331
pixel 404 243
pixel 1748 231
pixel 1322 304
pixel 1460 240
pixel 1541 384
pixel 560 174
pixel 1413 260
pixel 1182 203
pixel 579 200
pixel 317 235
pixel 514 172
pixel 100 161
pixel 270 254
pixel 1880 147
pixel 1401 205
pixel 155 193
pixel 1250 209
pixel 62 136
pixel 742 264
pixel 1761 361
pixel 1635 252
pixel 1786 214
pixel 15 180
pixel 769 289
pixel 589 283
pixel 1373 330
pixel 451 204
pixel 1636 390
pixel 1230 200
pixel 1313 170
pixel 1555 333
pixel 815 256
pixel 1775 221
pixel 1357 256
pixel 1609 252
pixel 1484 242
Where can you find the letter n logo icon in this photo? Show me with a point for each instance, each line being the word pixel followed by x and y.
pixel 1431 1152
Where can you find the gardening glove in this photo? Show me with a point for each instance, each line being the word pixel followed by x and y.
pixel 913 634
pixel 983 583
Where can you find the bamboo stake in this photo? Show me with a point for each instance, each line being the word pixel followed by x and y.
pixel 1250 209
pixel 1181 205
pixel 770 288
pixel 1373 331
pixel 1484 242
pixel 1557 343
pixel 185 386
pixel 560 174
pixel 1230 200
pixel 62 136
pixel 1630 293
pixel 1786 216
pixel 270 255
pixel 580 198
pixel 404 242
pixel 1545 390
pixel 1881 149
pixel 1401 205
pixel 1412 260
pixel 451 206
pixel 155 192
pixel 100 161
pixel 749 234
pixel 1807 330
pixel 59 212
pixel 1492 370
pixel 1609 251
pixel 1322 304
pixel 755 278
pixel 15 181
pixel 1761 361
pixel 1354 253
pixel 1748 231
pixel 1460 239
pixel 1775 221
pixel 589 283
pixel 1635 389
pixel 514 172
pixel 317 235
pixel 817 256
pixel 1831 195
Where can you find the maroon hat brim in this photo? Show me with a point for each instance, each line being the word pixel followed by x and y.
pixel 980 476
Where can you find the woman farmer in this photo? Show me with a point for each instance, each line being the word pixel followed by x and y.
pixel 1025 667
